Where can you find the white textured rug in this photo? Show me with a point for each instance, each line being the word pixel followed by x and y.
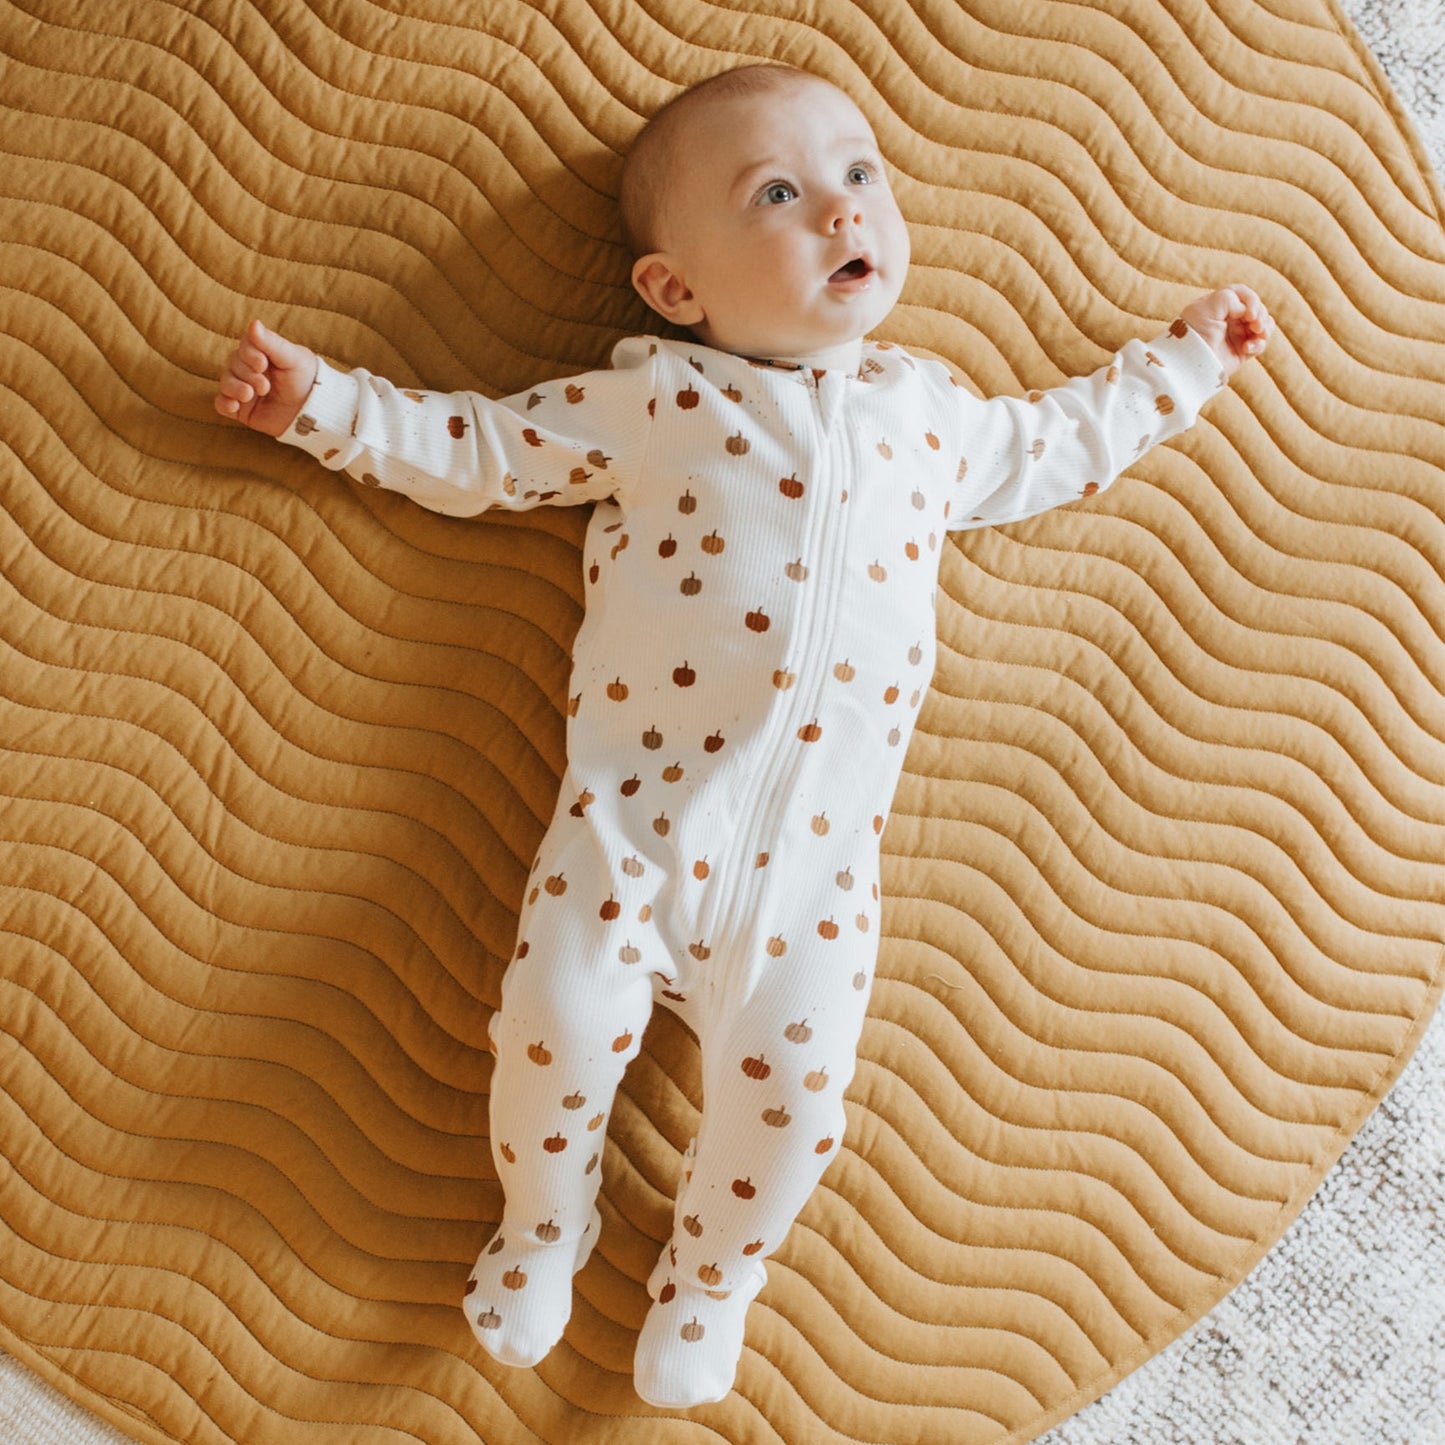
pixel 1338 1337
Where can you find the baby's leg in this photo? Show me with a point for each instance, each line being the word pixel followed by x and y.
pixel 575 1001
pixel 773 1083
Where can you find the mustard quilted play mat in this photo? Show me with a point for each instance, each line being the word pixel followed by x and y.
pixel 1165 877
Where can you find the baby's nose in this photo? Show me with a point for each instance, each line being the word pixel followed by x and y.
pixel 844 215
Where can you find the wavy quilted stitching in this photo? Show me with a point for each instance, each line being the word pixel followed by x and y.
pixel 1165 899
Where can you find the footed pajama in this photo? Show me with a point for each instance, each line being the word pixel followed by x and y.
pixel 759 634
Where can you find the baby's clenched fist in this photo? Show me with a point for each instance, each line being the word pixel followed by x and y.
pixel 265 380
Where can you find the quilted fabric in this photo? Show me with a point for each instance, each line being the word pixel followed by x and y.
pixel 1165 900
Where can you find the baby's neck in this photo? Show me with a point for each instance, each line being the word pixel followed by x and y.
pixel 845 358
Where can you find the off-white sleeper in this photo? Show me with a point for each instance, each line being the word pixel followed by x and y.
pixel 759 634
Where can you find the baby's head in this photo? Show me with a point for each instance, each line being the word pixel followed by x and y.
pixel 760 216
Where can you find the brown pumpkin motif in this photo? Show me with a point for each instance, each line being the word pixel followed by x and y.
pixel 548 1233
pixel 514 1279
pixel 539 1053
pixel 757 1068
pixel 692 1332
pixel 554 1143
pixel 778 1118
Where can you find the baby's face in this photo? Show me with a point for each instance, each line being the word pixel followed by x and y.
pixel 782 224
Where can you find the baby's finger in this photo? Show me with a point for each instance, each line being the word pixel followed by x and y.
pixel 236 389
pixel 253 377
pixel 252 356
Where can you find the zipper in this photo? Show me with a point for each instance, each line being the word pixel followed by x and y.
pixel 830 536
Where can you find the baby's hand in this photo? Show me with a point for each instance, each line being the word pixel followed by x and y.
pixel 1234 322
pixel 266 378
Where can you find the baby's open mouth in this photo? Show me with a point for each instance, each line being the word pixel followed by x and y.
pixel 854 270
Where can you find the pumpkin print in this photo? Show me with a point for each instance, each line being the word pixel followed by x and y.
pixel 798 1033
pixel 713 544
pixel 514 1279
pixel 738 445
pixel 776 947
pixel 548 1233
pixel 791 487
pixel 574 394
pixel 491 1320
pixel 754 1247
pixel 778 1118
pixel 684 676
pixel 617 690
pixel 692 1332
pixel 710 1275
pixel 693 1225
pixel 539 1054
pixel 758 620
pixel 757 1068
pixel 744 1188
pixel 554 1144
pixel 667 547
pixel 621 1043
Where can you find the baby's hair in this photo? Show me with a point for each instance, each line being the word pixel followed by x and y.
pixel 654 153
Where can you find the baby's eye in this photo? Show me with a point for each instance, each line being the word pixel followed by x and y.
pixel 860 175
pixel 777 194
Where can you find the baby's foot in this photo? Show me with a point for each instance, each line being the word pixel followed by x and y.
pixel 688 1351
pixel 519 1297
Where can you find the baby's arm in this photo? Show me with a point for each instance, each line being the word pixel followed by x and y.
pixel 578 439
pixel 1024 456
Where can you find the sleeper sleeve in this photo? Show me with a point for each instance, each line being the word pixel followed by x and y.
pixel 577 439
pixel 1023 455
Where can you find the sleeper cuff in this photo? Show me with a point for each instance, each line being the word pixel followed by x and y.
pixel 325 424
pixel 1192 371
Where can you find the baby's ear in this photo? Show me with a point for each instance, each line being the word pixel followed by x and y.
pixel 659 283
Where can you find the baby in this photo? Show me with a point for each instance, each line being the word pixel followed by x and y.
pixel 770 503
